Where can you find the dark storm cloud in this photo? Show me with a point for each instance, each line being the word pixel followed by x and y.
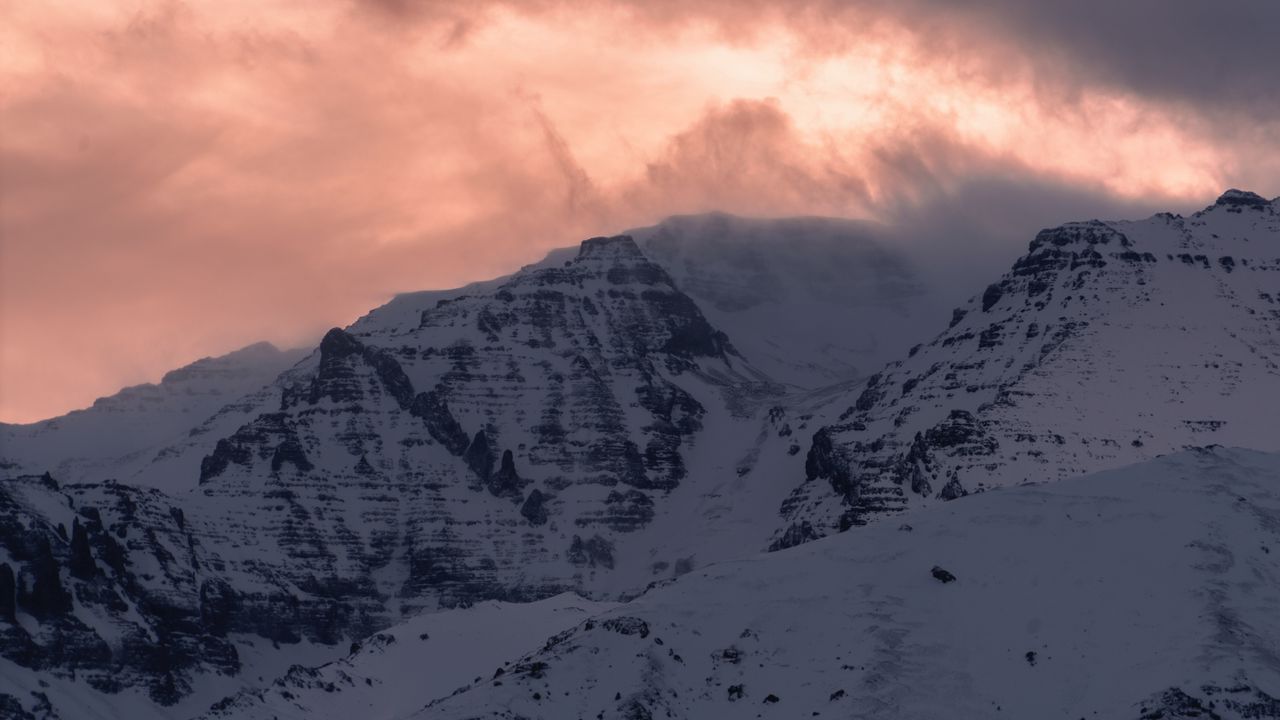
pixel 1210 54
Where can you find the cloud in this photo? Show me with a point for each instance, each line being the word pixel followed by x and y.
pixel 1211 55
pixel 183 178
pixel 745 156
pixel 1221 53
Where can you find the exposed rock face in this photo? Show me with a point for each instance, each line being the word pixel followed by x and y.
pixel 593 552
pixel 130 557
pixel 534 508
pixel 1107 343
pixel 1234 702
pixel 798 533
pixel 1240 200
pixel 479 457
pixel 506 481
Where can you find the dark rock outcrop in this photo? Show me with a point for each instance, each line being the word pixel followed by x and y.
pixel 796 534
pixel 534 508
pixel 594 552
pixel 129 557
pixel 506 482
pixel 479 457
pixel 1239 199
pixel 441 424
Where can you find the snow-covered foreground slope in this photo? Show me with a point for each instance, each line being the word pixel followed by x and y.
pixel 811 301
pixel 1107 343
pixel 399 670
pixel 120 437
pixel 1143 592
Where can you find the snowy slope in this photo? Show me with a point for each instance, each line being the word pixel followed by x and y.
pixel 401 669
pixel 811 301
pixel 1131 593
pixel 118 437
pixel 1108 343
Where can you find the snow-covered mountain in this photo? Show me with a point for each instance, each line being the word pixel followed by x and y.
pixel 577 426
pixel 1107 343
pixel 1151 591
pixel 512 444
pixel 810 301
pixel 588 424
pixel 123 436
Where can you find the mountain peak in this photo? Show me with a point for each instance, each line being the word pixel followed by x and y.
pixel 339 342
pixel 1241 198
pixel 614 247
pixel 619 260
pixel 262 347
pixel 1084 234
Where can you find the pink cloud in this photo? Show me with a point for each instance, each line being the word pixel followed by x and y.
pixel 181 179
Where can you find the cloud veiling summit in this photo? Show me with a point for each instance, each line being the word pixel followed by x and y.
pixel 638 421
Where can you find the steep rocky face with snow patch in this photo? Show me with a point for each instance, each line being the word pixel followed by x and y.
pixel 1107 343
pixel 108 583
pixel 503 448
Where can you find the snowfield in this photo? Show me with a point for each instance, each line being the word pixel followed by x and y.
pixel 1144 589
pixel 401 669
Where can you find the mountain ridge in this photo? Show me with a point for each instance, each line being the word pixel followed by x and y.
pixel 584 425
pixel 118 435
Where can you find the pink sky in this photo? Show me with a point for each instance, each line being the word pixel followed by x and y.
pixel 181 179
